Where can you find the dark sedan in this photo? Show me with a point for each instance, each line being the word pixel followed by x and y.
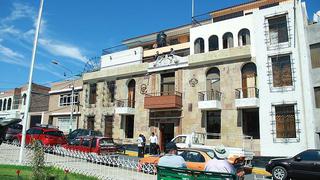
pixel 305 165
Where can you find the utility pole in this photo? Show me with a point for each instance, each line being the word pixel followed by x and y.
pixel 72 103
pixel 26 111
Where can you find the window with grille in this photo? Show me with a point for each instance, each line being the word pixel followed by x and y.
pixel 285 121
pixel 317 96
pixel 278 29
pixel 65 99
pixel 281 71
pixel 315 55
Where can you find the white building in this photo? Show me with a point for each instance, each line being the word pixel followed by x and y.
pixel 280 50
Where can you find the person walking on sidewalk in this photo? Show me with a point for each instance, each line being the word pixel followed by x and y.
pixel 153 144
pixel 140 146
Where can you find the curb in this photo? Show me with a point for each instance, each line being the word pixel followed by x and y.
pixel 260 171
pixel 134 154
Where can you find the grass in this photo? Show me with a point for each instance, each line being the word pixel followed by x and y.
pixel 9 172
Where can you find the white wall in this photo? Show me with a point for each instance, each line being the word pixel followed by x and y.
pixel 130 56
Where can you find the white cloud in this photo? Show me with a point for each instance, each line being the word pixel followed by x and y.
pixel 62 49
pixel 19 11
pixel 9 52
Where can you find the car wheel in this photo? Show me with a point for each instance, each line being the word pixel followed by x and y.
pixel 279 173
pixel 16 142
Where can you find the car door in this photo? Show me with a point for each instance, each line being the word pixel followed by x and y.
pixel 304 164
pixel 194 160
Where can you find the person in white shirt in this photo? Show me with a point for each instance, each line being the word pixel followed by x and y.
pixel 140 146
pixel 220 163
pixel 153 143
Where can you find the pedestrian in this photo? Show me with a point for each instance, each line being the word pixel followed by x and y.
pixel 140 146
pixel 220 163
pixel 171 159
pixel 153 143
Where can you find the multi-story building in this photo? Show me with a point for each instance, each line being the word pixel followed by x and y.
pixel 60 102
pixel 245 73
pixel 12 103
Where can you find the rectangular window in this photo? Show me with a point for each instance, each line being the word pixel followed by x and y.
pixel 93 93
pixel 281 71
pixel 285 121
pixel 167 84
pixel 65 99
pixel 317 96
pixel 315 55
pixel 111 87
pixel 278 29
pixel 129 125
pixel 213 124
pixel 90 123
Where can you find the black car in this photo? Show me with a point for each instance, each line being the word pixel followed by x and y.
pixel 305 165
pixel 4 123
pixel 12 131
pixel 82 132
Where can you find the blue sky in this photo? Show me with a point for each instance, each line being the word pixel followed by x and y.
pixel 74 31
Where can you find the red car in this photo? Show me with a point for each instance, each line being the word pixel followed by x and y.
pixel 46 136
pixel 92 144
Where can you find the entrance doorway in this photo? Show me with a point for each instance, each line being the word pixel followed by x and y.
pixel 250 122
pixel 166 134
pixel 108 126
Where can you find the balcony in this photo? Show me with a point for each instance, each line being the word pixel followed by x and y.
pixel 224 55
pixel 209 100
pixel 125 107
pixel 166 49
pixel 163 100
pixel 247 97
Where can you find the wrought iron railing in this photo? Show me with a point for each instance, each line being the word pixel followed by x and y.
pixel 250 92
pixel 209 95
pixel 125 103
pixel 164 93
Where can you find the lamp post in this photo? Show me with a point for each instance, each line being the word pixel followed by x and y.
pixel 26 111
pixel 72 93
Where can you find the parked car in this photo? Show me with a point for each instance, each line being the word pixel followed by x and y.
pixel 92 144
pixel 195 158
pixel 82 132
pixel 12 131
pixel 305 165
pixel 4 123
pixel 47 136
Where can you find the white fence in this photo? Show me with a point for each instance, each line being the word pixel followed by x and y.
pixel 101 166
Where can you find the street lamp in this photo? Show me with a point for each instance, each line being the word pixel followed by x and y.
pixel 72 92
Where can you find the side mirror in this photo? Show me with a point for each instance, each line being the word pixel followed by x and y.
pixel 298 158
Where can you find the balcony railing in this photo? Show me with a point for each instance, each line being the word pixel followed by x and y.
pixel 209 95
pixel 250 92
pixel 125 103
pixel 164 93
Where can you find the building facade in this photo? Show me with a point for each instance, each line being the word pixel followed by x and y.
pixel 12 103
pixel 60 102
pixel 243 77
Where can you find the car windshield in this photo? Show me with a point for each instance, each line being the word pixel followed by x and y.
pixel 106 142
pixel 209 152
pixel 54 133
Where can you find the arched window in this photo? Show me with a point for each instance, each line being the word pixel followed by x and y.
pixel 9 104
pixel 131 93
pixel 24 99
pixel 244 37
pixel 213 43
pixel 4 104
pixel 249 76
pixel 227 40
pixel 198 46
pixel 213 84
pixel 0 104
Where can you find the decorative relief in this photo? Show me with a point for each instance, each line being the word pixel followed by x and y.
pixel 143 89
pixel 193 81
